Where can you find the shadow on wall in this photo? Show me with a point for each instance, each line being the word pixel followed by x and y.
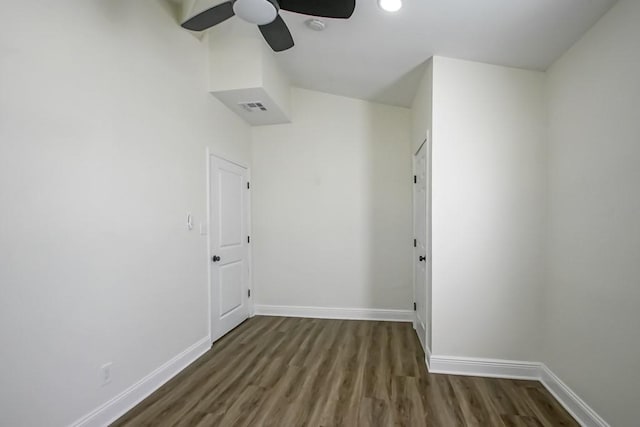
pixel 388 167
pixel 402 90
pixel 173 9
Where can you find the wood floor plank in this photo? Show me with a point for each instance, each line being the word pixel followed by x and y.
pixel 509 396
pixel 275 371
pixel 520 421
pixel 374 412
pixel 548 410
pixel 475 411
pixel 406 402
pixel 445 403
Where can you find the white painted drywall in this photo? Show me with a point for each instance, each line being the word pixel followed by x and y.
pixel 235 62
pixel 331 203
pixel 275 82
pixel 592 298
pixel 421 108
pixel 488 210
pixel 242 69
pixel 104 120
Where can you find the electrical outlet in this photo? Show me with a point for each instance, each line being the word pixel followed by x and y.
pixel 105 373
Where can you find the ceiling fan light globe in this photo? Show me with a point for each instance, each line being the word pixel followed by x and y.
pixel 390 5
pixel 259 12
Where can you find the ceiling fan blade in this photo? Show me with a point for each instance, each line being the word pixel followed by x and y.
pixel 277 35
pixel 210 17
pixel 324 8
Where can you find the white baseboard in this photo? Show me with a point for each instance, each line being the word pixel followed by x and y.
pixel 497 368
pixel 335 313
pixel 577 407
pixel 427 358
pixel 420 331
pixel 119 405
pixel 493 368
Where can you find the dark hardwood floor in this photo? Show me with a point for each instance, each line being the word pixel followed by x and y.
pixel 274 371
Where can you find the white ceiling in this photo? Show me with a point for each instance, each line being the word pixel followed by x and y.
pixel 372 55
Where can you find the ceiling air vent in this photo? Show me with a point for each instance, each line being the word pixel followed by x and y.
pixel 252 107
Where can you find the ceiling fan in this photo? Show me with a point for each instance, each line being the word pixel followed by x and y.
pixel 264 13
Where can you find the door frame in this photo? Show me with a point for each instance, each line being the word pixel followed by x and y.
pixel 209 154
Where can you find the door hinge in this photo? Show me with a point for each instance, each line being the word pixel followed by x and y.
pixel 415 243
pixel 248 185
pixel 415 307
pixel 415 179
pixel 248 239
pixel 249 293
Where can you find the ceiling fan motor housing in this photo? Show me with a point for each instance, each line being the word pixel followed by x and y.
pixel 264 13
pixel 259 12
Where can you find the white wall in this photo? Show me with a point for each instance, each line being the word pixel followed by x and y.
pixel 592 297
pixel 488 210
pixel 244 69
pixel 331 202
pixel 421 108
pixel 104 120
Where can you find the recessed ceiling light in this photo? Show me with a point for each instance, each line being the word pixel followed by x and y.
pixel 390 5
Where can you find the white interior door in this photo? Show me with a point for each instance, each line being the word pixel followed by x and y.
pixel 229 255
pixel 421 260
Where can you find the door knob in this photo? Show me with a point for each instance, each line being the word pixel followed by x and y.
pixel 215 258
pixel 423 258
